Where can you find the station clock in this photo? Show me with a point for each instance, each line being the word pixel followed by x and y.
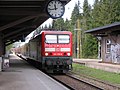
pixel 55 9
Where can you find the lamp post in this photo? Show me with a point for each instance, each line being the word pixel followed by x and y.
pixel 78 45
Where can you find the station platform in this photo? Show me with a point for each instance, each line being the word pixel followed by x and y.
pixel 21 76
pixel 98 64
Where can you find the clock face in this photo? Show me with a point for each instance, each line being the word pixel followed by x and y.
pixel 55 9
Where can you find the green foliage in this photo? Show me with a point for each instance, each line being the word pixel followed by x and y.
pixel 90 47
pixel 96 73
pixel 86 9
pixel 58 24
pixel 89 43
pixel 50 26
pixel 106 12
pixel 75 14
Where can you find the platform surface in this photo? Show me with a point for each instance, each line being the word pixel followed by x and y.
pixel 22 76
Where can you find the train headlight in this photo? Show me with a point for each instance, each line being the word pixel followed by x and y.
pixel 46 54
pixel 68 54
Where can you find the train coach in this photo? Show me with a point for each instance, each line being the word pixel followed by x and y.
pixel 51 50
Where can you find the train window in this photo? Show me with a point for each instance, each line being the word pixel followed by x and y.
pixel 63 38
pixel 51 38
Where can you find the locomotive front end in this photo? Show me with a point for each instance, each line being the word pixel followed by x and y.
pixel 58 51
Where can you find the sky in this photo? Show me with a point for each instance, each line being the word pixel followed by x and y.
pixel 68 10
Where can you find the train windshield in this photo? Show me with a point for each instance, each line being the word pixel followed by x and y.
pixel 63 39
pixel 51 38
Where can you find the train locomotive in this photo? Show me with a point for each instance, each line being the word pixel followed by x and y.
pixel 51 50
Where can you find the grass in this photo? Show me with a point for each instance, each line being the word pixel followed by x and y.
pixel 96 73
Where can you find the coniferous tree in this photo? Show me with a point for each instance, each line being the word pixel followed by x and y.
pixel 67 25
pixel 116 10
pixel 45 26
pixel 75 14
pixel 86 14
pixel 50 26
pixel 110 11
pixel 53 24
pixel 74 18
pixel 58 24
pixel 96 14
pixel 88 41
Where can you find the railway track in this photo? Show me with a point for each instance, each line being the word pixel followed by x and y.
pixel 81 82
pixel 74 83
pixel 98 83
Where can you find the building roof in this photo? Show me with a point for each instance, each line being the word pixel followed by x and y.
pixel 104 29
pixel 18 18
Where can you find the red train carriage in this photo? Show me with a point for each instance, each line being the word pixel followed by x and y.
pixel 52 50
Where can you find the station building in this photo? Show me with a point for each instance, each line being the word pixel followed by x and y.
pixel 109 42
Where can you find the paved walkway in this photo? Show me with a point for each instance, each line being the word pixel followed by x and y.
pixel 22 76
pixel 95 63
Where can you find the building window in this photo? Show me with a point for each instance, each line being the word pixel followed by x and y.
pixel 108 46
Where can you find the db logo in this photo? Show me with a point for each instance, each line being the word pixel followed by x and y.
pixel 57 49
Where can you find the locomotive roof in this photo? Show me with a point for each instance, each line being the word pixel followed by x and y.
pixel 104 29
pixel 56 32
pixel 49 32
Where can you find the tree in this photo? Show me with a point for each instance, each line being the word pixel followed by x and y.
pixel 90 49
pixel 86 15
pixel 53 23
pixel 106 12
pixel 75 14
pixel 46 26
pixel 74 17
pixel 89 43
pixel 50 26
pixel 58 24
pixel 116 10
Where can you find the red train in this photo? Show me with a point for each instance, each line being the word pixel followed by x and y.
pixel 52 50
